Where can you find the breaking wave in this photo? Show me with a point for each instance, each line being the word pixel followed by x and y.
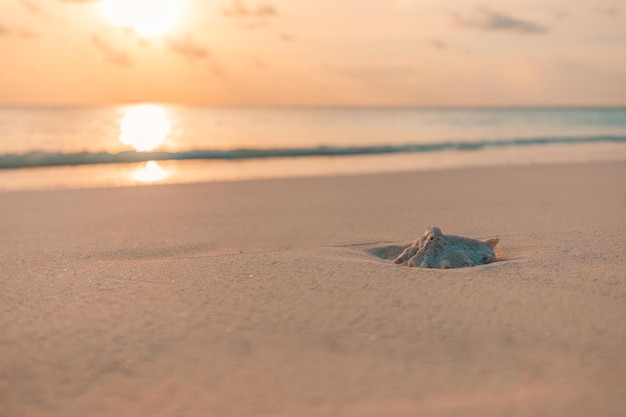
pixel 50 159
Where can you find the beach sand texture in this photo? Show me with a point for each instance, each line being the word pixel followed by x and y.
pixel 273 298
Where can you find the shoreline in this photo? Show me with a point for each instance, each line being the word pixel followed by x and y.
pixel 192 172
pixel 260 298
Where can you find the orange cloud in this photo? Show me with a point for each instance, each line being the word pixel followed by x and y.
pixel 32 7
pixel 238 9
pixel 16 33
pixel 491 20
pixel 110 54
pixel 188 48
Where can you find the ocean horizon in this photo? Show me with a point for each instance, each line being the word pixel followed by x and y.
pixel 126 145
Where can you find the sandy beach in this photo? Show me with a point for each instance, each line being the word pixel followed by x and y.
pixel 265 298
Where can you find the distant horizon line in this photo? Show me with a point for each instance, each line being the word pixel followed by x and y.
pixel 320 106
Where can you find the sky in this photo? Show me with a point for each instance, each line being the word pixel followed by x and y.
pixel 313 52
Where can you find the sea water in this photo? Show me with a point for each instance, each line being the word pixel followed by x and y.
pixel 68 147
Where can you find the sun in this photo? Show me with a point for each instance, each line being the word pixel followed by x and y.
pixel 146 17
pixel 145 127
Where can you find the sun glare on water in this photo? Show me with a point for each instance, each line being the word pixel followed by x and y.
pixel 151 171
pixel 146 17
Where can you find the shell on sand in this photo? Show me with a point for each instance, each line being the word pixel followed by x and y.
pixel 435 250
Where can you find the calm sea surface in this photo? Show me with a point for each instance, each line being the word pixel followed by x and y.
pixel 128 145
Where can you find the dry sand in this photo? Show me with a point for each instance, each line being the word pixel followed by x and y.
pixel 265 298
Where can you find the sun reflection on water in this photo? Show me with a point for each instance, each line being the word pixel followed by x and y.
pixel 145 127
pixel 151 171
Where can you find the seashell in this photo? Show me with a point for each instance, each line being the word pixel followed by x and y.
pixel 435 250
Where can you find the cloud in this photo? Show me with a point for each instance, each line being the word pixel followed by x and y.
pixel 16 33
pixel 286 37
pixel 110 54
pixel 33 8
pixel 238 10
pixel 260 64
pixel 437 44
pixel 188 48
pixel 491 20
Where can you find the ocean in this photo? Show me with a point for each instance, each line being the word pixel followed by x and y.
pixel 129 145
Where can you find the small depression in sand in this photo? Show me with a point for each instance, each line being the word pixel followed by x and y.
pixel 387 253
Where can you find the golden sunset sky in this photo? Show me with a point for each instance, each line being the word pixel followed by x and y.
pixel 306 52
